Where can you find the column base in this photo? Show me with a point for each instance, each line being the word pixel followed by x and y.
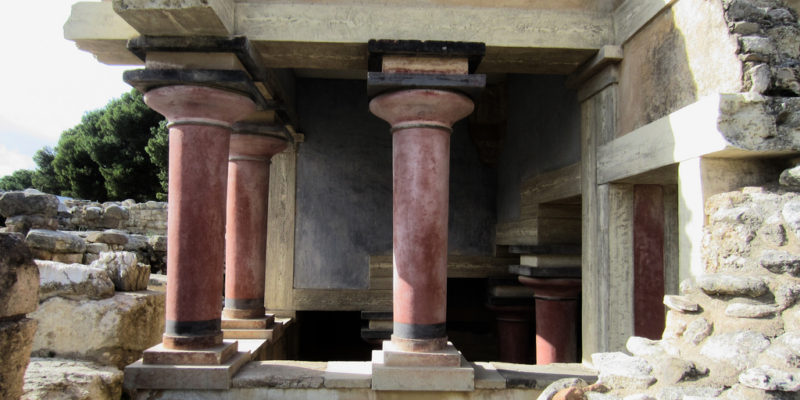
pixel 199 342
pixel 444 370
pixel 247 313
pixel 217 355
pixel 249 328
pixel 421 345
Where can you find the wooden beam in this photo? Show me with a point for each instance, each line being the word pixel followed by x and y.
pixel 458 266
pixel 342 300
pixel 697 130
pixel 559 184
pixel 278 292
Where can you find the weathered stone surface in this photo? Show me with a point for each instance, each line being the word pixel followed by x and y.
pixel 740 392
pixel 784 352
pixel 158 242
pixel 68 258
pixel 136 243
pixel 745 310
pixel 732 285
pixel 29 202
pixel 16 339
pixel 555 387
pixel 60 379
pixel 698 330
pixel 621 371
pixel 19 277
pixel 768 378
pixel 643 347
pixel 55 241
pixel 24 223
pixel 739 349
pixel 780 262
pixel 96 248
pixel 688 392
pixel 281 374
pixel 111 236
pixel 680 303
pixel 124 269
pixel 791 214
pixel 113 331
pixel 639 396
pixel 74 281
pixel 671 370
pixel 790 177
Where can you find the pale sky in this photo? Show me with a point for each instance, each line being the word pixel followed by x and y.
pixel 46 83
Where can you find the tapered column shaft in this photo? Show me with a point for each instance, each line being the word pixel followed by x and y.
pixel 200 127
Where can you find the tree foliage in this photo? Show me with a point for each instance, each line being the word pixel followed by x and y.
pixel 114 153
pixel 18 180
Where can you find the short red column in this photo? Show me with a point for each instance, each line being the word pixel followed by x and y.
pixel 246 230
pixel 556 318
pixel 421 121
pixel 200 121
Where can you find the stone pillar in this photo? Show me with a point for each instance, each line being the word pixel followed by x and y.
pixel 246 229
pixel 200 121
pixel 421 123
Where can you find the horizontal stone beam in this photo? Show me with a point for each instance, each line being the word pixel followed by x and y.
pixel 178 18
pixel 737 125
pixel 326 36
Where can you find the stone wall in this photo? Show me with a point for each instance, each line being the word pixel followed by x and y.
pixel 148 218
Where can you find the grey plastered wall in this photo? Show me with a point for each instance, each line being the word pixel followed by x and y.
pixel 344 188
pixel 543 134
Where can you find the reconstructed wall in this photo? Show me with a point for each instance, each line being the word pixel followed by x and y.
pixel 344 188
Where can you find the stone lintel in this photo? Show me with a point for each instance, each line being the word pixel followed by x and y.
pixel 217 355
pixel 393 356
pixel 424 64
pixel 266 334
pixel 456 379
pixel 183 18
pixel 148 376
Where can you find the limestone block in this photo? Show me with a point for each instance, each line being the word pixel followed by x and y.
pixel 89 258
pixel 749 121
pixel 680 303
pixel 739 392
pixel 116 212
pixel 16 338
pixel 621 371
pixel 738 349
pixel 281 375
pixel 57 379
pixel 113 331
pixel 550 391
pixel 643 347
pixel 784 352
pixel 55 241
pixel 110 236
pixel 158 242
pixel 789 177
pixel 29 202
pixel 74 281
pixel 24 223
pixel 19 277
pixel 746 310
pixel 157 282
pixel 136 243
pixel 169 18
pixel 92 213
pixel 732 285
pixel 348 374
pixel 96 248
pixel 791 214
pixel 769 378
pixel 196 377
pixel 780 261
pixel 414 378
pixel 68 258
pixel 124 269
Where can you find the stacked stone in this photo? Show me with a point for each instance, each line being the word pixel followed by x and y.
pixel 733 333
pixel 769 45
pixel 29 209
pixel 148 218
pixel 19 284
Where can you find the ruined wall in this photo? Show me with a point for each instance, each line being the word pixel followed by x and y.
pixel 543 134
pixel 344 188
pixel 140 218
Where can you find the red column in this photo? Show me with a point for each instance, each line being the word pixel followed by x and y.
pixel 200 121
pixel 648 261
pixel 556 318
pixel 246 230
pixel 421 121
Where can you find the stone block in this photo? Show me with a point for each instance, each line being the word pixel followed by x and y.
pixel 200 377
pixel 456 379
pixel 157 282
pixel 16 339
pixel 265 334
pixel 55 241
pixel 281 375
pixel 96 248
pixel 487 376
pixel 124 269
pixel 24 223
pixel 217 355
pixel 28 202
pixel 256 347
pixel 110 236
pixel 252 323
pixel 348 375
pixel 136 243
pixel 68 258
pixel 19 277
pixel 74 281
pixel 113 331
pixel 158 242
pixel 55 378
pixel 394 357
pixel 620 370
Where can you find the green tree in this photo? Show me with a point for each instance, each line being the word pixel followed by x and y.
pixel 18 180
pixel 158 150
pixel 75 170
pixel 44 178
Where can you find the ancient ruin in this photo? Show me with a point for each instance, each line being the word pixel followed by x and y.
pixel 586 199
